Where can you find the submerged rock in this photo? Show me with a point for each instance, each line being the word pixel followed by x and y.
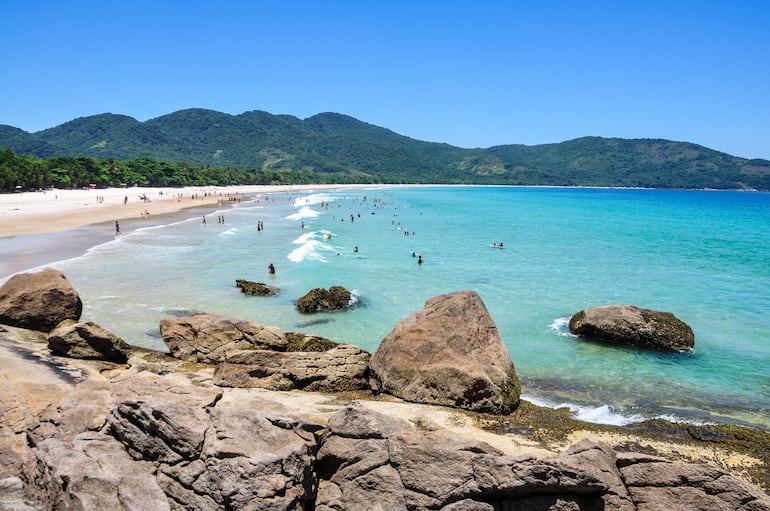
pixel 449 353
pixel 39 301
pixel 320 299
pixel 628 324
pixel 248 287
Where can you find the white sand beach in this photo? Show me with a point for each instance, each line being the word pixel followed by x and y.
pixel 55 210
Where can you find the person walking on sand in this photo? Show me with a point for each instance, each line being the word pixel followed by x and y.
pixel 117 228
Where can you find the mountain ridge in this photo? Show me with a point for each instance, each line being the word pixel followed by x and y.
pixel 330 143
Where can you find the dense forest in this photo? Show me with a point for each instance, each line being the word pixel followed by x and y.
pixel 204 147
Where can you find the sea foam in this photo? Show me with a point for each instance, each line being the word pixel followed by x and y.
pixel 310 248
pixel 309 200
pixel 560 326
pixel 304 212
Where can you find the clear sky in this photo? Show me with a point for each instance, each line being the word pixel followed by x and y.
pixel 468 73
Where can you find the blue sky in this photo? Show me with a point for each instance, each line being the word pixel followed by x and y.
pixel 471 74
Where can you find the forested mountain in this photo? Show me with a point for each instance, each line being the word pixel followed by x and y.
pixel 341 148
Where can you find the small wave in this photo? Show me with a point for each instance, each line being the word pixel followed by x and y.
pixel 560 326
pixel 309 200
pixel 305 238
pixel 602 414
pixel 304 212
pixel 355 298
pixel 310 249
pixel 229 232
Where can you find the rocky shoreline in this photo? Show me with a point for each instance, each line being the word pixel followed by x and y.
pixel 156 433
pixel 197 428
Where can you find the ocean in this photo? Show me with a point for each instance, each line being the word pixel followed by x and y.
pixel 702 255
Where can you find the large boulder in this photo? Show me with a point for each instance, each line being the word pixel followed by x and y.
pixel 39 301
pixel 344 367
pixel 627 324
pixel 449 353
pixel 320 299
pixel 208 338
pixel 87 341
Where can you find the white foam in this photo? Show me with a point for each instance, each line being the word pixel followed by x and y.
pixel 229 232
pixel 304 212
pixel 310 248
pixel 309 200
pixel 560 326
pixel 305 238
pixel 602 414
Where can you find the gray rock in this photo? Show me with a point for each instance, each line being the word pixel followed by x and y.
pixel 12 497
pixel 208 338
pixel 369 461
pixel 39 301
pixel 87 341
pixel 222 459
pixel 344 367
pixel 94 472
pixel 449 354
pixel 627 324
pixel 656 484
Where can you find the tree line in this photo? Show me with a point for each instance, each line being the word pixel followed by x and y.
pixel 20 172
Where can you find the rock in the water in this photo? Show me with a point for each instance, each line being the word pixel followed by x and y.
pixel 450 354
pixel 319 299
pixel 87 341
pixel 248 287
pixel 208 337
pixel 344 367
pixel 39 301
pixel 627 324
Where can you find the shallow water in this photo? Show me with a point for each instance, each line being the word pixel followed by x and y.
pixel 705 256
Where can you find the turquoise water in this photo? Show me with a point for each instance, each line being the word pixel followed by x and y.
pixel 705 256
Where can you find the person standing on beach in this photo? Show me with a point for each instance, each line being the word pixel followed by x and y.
pixel 117 228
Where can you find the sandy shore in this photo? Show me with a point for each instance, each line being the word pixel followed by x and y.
pixel 54 211
pixel 38 228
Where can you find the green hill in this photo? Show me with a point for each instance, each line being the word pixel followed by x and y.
pixel 331 144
